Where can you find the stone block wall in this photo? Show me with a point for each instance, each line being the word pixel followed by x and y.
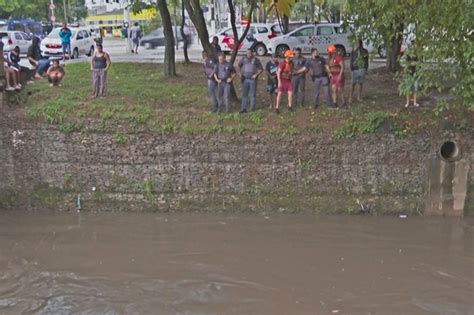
pixel 377 173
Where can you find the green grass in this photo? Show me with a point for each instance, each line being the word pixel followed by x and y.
pixel 141 96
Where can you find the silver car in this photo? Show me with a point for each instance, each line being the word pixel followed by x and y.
pixel 12 39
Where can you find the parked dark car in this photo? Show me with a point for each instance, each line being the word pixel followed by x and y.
pixel 156 38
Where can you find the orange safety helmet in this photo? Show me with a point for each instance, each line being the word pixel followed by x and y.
pixel 331 49
pixel 289 54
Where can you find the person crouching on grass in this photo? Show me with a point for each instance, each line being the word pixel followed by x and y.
pixel 100 64
pixel 55 73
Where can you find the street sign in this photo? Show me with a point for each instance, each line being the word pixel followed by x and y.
pixel 52 6
pixel 53 18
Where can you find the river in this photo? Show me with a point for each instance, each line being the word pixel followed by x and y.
pixel 145 263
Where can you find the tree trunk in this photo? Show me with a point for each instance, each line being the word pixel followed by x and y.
pixel 312 8
pixel 393 47
pixel 169 65
pixel 197 17
pixel 237 40
pixel 185 39
pixel 286 24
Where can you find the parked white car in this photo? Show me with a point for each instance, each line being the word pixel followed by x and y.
pixel 318 36
pixel 82 43
pixel 260 32
pixel 12 39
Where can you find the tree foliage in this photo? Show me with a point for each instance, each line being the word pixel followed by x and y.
pixel 443 30
pixel 39 9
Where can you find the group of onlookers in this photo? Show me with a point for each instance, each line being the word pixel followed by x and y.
pixel 287 76
pixel 51 68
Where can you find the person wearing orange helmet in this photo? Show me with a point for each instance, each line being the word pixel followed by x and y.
pixel 284 75
pixel 336 66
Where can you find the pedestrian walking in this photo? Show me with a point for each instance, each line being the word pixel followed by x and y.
pixel 320 75
pixel 249 70
pixel 272 79
pixel 55 73
pixel 224 74
pixel 35 58
pixel 65 35
pixel 135 35
pixel 284 75
pixel 299 79
pixel 100 64
pixel 336 66
pixel 359 67
pixel 209 65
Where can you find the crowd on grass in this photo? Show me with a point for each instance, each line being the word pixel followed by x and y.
pixel 289 76
pixel 286 76
pixel 51 67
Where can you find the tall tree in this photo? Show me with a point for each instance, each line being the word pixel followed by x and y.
pixel 169 63
pixel 282 9
pixel 383 22
pixel 197 17
pixel 238 40
pixel 183 34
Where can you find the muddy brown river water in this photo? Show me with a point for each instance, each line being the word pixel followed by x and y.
pixel 126 263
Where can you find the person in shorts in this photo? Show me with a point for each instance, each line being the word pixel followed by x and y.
pixel 272 79
pixel 414 79
pixel 336 66
pixel 284 75
pixel 359 67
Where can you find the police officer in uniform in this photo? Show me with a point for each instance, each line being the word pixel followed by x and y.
pixel 249 70
pixel 209 65
pixel 320 74
pixel 299 78
pixel 224 74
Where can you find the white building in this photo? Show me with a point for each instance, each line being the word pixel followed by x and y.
pixel 101 6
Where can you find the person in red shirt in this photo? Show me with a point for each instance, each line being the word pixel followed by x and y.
pixel 336 66
pixel 284 75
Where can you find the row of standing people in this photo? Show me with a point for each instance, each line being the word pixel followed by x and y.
pixel 285 76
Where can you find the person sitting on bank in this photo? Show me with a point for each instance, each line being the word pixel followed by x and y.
pixel 36 59
pixel 55 73
pixel 10 77
pixel 13 62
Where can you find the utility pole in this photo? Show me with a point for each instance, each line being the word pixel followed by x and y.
pixel 53 16
pixel 126 23
pixel 65 10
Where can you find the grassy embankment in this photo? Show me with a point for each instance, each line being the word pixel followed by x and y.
pixel 140 96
